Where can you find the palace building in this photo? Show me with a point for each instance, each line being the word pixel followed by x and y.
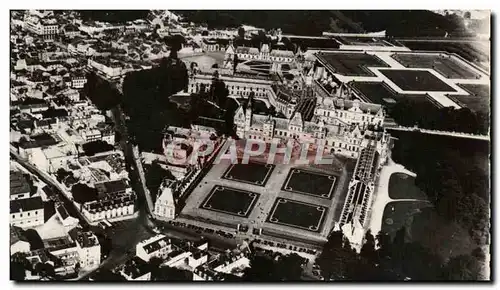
pixel 341 125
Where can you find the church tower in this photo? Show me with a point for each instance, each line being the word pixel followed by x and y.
pixel 248 114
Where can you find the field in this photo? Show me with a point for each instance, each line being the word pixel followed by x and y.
pixel 231 201
pixel 297 214
pixel 253 173
pixel 474 52
pixel 480 91
pixel 381 93
pixel 402 186
pixel 478 100
pixel 447 66
pixel 416 80
pixel 310 183
pixel 352 64
pixel 476 104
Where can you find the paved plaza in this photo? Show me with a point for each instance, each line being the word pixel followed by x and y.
pixel 233 205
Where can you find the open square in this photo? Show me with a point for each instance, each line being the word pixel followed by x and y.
pixel 416 80
pixel 230 200
pixel 447 66
pixel 297 214
pixel 253 173
pixel 310 183
pixel 351 64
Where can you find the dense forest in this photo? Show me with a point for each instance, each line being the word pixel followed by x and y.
pixel 113 16
pixel 381 259
pixel 454 173
pixel 395 22
pixel 409 113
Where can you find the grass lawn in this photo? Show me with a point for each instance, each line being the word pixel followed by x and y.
pixel 297 214
pixel 352 64
pixel 311 183
pixel 253 173
pixel 448 67
pixel 231 201
pixel 381 93
pixel 402 186
pixel 416 80
pixel 476 104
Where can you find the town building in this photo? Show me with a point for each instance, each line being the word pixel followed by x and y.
pixel 237 84
pixel 340 125
pixel 117 207
pixel 78 81
pixel 18 241
pixel 27 212
pixel 275 57
pixel 233 264
pixel 41 26
pixel 158 246
pixel 88 248
pixel 19 186
pixel 109 68
pixel 165 204
pixel 65 251
pixel 136 269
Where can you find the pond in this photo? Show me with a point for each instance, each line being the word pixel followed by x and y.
pixel 402 186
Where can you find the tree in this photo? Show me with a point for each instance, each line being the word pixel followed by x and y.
pixel 336 258
pixel 235 63
pixel 62 174
pixel 171 274
pixel 34 239
pixel 368 249
pixel 241 33
pixel 262 269
pixel 107 275
pixel 289 267
pixel 100 92
pixel 462 268
pixel 82 193
pixel 146 101
pixel 18 266
pixel 45 270
pixel 155 174
pixel 98 146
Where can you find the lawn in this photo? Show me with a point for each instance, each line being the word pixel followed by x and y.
pixel 447 66
pixel 297 214
pixel 476 104
pixel 230 200
pixel 352 64
pixel 473 52
pixel 253 173
pixel 416 80
pixel 381 93
pixel 310 183
pixel 402 186
pixel 480 91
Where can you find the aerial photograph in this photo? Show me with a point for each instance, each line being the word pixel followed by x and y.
pixel 250 145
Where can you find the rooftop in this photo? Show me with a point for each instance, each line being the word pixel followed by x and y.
pixel 18 183
pixel 85 239
pixel 17 234
pixel 26 204
pixel 111 187
pixel 136 267
pixel 156 245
